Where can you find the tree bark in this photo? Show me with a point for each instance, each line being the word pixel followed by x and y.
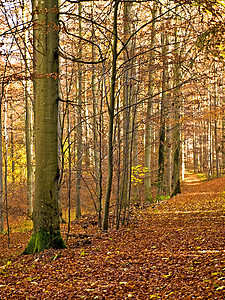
pixel 96 135
pixel 126 126
pixel 46 230
pixel 111 119
pixel 1 168
pixel 162 130
pixel 148 126
pixel 28 122
pixel 176 132
pixel 79 125
pixel 223 142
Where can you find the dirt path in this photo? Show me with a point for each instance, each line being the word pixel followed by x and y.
pixel 175 250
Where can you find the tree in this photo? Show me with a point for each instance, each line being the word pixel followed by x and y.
pixel 148 126
pixel 1 167
pixel 176 130
pixel 163 103
pixel 28 118
pixel 79 124
pixel 46 230
pixel 127 115
pixel 96 125
pixel 111 108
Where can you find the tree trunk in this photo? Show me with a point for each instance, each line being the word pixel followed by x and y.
pixel 46 230
pixel 223 142
pixel 79 125
pixel 124 185
pixel 28 120
pixel 210 150
pixel 111 119
pixel 148 126
pixel 216 144
pixel 1 168
pixel 6 171
pixel 12 152
pixel 96 140
pixel 176 132
pixel 162 130
pixel 195 152
pixel 183 162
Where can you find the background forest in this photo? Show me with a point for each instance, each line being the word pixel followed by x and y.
pixel 141 104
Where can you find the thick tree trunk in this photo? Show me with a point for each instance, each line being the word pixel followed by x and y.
pixel 46 230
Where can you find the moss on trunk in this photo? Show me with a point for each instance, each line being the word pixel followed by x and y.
pixel 44 239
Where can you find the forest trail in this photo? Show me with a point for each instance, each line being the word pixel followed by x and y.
pixel 172 250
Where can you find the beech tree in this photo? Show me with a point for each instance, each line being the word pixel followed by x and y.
pixel 163 105
pixel 148 125
pixel 79 125
pixel 111 108
pixel 46 230
pixel 1 167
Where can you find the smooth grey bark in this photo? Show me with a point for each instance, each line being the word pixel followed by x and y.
pixel 169 148
pixel 201 169
pixel 1 168
pixel 210 143
pixel 79 123
pixel 29 150
pixel 216 148
pixel 183 165
pixel 216 144
pixel 148 125
pixel 111 108
pixel 127 115
pixel 96 131
pixel 6 170
pixel 69 170
pixel 46 230
pixel 223 142
pixel 162 130
pixel 12 152
pixel 176 131
pixel 195 154
pixel 28 117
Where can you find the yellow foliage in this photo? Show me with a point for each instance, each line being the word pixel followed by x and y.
pixel 138 173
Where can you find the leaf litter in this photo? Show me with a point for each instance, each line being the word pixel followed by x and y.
pixel 172 250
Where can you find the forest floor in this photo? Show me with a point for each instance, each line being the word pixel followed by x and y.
pixel 171 250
